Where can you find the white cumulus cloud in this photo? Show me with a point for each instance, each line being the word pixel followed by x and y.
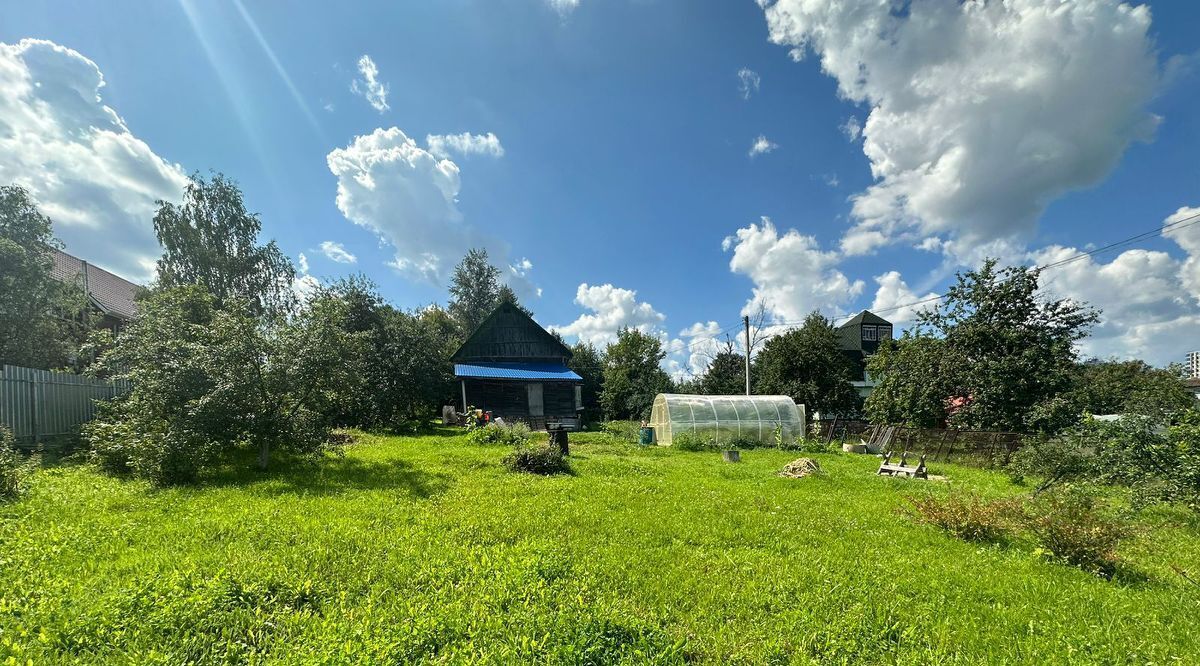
pixel 761 146
pixel 1183 227
pixel 981 113
pixel 611 309
pixel 896 302
pixel 748 82
pixel 408 196
pixel 89 173
pixel 792 276
pixel 369 86
pixel 443 145
pixel 337 252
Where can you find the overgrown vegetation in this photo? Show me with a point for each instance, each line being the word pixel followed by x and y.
pixel 1068 525
pixel 1072 526
pixel 514 434
pixel 1159 464
pixel 536 458
pixel 969 516
pixel 423 550
pixel 14 468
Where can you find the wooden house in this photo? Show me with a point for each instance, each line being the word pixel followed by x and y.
pixel 858 339
pixel 512 367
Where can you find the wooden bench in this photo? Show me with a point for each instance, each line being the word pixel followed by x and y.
pixel 889 468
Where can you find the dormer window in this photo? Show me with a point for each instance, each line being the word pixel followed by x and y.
pixel 885 332
pixel 869 334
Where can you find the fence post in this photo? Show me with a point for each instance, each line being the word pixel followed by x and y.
pixel 33 411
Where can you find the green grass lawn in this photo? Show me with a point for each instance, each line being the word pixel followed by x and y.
pixel 425 550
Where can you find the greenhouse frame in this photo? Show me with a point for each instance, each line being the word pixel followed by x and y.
pixel 726 417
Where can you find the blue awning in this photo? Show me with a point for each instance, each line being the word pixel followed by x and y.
pixel 526 371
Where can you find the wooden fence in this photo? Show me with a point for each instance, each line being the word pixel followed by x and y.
pixel 979 447
pixel 37 403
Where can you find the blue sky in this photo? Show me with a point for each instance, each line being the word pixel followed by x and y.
pixel 608 158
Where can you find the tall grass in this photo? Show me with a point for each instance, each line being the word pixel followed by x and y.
pixel 426 550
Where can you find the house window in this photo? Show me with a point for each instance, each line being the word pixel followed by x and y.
pixel 885 332
pixel 868 333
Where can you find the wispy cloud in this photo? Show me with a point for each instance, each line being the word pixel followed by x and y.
pixel 748 82
pixel 851 128
pixel 442 145
pixel 369 85
pixel 762 145
pixel 336 252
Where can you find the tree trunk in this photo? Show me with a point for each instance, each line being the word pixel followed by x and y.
pixel 264 454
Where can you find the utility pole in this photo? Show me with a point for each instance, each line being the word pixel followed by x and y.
pixel 746 321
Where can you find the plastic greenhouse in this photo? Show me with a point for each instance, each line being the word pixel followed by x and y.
pixel 726 417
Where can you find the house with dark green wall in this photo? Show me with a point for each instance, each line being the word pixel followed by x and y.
pixel 858 339
pixel 515 369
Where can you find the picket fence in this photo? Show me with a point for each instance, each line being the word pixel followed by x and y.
pixel 37 403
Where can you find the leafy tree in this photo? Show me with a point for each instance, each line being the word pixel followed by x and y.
pixel 1130 387
pixel 42 321
pixel 588 362
pixel 726 373
pixel 632 375
pixel 915 375
pixel 207 380
pixel 806 364
pixel 1016 347
pixel 474 290
pixel 210 239
pixel 397 360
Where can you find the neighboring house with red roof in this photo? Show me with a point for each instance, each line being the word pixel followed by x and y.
pixel 111 295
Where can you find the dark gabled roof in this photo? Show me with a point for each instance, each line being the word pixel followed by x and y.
pixel 112 294
pixel 509 333
pixel 850 333
pixel 866 317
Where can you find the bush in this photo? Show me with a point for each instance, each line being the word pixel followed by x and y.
pixel 14 469
pixel 969 517
pixel 125 441
pixel 494 433
pixel 540 458
pixel 693 441
pixel 1069 526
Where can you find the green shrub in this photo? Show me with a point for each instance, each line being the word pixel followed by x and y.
pixel 14 469
pixel 1070 526
pixel 124 440
pixel 539 458
pixel 694 441
pixel 969 517
pixel 513 434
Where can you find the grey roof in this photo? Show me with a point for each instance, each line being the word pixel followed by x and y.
pixel 113 294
